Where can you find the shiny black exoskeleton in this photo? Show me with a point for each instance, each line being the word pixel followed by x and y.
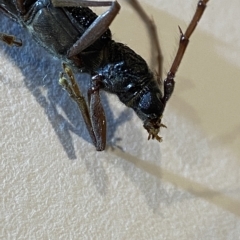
pixel 114 66
pixel 123 72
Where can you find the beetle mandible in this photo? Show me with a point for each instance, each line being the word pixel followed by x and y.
pixel 71 31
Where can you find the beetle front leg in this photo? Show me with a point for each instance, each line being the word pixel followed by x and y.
pixel 97 28
pixel 183 43
pixel 151 27
pixel 94 118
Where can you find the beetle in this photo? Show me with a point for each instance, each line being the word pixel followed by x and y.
pixel 70 30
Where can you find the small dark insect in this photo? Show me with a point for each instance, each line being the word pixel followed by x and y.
pixel 70 30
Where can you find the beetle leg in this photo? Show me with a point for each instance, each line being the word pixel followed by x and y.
pixel 70 85
pixel 97 28
pixel 183 43
pixel 97 114
pixel 80 3
pixel 10 40
pixel 93 116
pixel 151 27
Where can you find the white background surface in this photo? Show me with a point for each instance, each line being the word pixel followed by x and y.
pixel 54 185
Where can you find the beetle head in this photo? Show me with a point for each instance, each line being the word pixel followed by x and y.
pixel 150 109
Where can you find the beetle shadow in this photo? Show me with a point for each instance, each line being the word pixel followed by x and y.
pixel 182 190
pixel 41 73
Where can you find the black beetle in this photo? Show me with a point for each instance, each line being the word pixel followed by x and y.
pixel 71 31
